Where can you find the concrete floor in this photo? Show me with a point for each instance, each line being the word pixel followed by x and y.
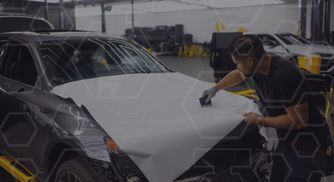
pixel 196 67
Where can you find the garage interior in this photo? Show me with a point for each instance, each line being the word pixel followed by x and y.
pixel 188 35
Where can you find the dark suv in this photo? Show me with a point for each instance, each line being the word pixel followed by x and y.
pixel 84 106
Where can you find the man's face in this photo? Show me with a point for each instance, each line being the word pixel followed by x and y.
pixel 245 65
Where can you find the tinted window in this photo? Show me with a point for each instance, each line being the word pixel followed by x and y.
pixel 19 65
pixel 10 24
pixel 73 60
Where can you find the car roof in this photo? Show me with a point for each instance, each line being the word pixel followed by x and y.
pixel 50 35
pixel 21 15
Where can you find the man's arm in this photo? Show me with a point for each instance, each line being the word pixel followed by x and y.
pixel 296 117
pixel 233 78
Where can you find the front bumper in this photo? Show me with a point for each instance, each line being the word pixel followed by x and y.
pixel 107 171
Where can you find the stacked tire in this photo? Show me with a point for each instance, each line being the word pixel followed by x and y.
pixel 178 33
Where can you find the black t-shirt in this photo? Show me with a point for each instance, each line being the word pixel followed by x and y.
pixel 286 86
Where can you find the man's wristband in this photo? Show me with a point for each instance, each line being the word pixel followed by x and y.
pixel 262 121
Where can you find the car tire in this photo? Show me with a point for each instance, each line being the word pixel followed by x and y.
pixel 75 170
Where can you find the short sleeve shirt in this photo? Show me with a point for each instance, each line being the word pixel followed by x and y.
pixel 283 87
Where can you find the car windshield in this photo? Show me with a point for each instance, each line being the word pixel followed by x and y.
pixel 291 39
pixel 73 60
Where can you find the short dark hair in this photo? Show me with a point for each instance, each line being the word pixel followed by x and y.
pixel 247 45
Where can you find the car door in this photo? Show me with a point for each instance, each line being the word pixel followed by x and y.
pixel 18 75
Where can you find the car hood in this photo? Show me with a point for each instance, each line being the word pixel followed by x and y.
pixel 157 119
pixel 319 46
pixel 324 51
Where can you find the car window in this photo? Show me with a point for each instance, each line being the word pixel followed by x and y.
pixel 72 60
pixel 2 54
pixel 19 64
pixel 268 40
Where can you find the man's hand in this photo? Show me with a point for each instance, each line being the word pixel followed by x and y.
pixel 210 93
pixel 253 118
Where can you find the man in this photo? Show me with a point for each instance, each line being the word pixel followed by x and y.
pixel 100 62
pixel 282 90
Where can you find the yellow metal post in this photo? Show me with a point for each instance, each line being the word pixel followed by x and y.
pixel 9 165
pixel 247 93
pixel 217 27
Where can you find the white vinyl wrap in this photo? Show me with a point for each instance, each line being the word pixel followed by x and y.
pixel 157 119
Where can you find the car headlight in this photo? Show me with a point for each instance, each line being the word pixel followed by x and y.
pixel 111 145
pixel 87 128
pixel 82 122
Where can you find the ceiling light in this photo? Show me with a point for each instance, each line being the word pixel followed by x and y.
pixel 230 3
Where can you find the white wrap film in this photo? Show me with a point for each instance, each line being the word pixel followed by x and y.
pixel 157 119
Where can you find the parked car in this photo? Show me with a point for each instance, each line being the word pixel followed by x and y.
pixel 84 106
pixel 291 46
pixel 11 22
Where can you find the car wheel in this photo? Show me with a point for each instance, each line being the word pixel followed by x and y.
pixel 75 170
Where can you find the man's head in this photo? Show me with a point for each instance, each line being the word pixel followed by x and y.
pixel 247 52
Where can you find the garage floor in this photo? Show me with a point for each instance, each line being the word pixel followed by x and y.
pixel 196 67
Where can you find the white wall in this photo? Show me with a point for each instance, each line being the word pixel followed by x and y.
pixel 309 18
pixel 202 23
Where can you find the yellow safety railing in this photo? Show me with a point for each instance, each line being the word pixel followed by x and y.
pixel 11 167
pixel 247 93
pixel 194 50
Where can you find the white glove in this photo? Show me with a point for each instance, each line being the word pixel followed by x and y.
pixel 210 93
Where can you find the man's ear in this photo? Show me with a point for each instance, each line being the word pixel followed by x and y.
pixel 250 61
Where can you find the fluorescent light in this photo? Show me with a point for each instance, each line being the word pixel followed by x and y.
pixel 52 1
pixel 166 6
pixel 139 8
pixel 231 3
pixel 170 6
